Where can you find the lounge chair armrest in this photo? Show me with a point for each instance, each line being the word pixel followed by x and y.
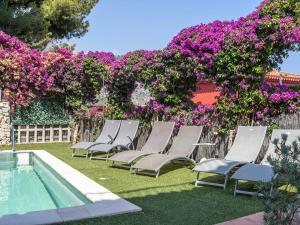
pixel 131 142
pixel 111 139
pixel 130 139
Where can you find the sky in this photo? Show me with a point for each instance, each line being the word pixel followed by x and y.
pixel 120 26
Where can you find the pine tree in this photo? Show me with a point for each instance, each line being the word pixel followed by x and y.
pixel 281 194
pixel 39 22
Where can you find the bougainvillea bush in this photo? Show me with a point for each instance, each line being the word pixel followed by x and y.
pixel 238 54
pixel 170 82
pixel 138 66
pixel 257 106
pixel 27 74
pixel 234 54
pixel 19 66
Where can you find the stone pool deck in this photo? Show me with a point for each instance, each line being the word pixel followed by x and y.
pixel 104 202
pixel 255 219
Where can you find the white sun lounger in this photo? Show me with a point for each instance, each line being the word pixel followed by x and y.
pixel 262 172
pixel 245 149
pixel 107 136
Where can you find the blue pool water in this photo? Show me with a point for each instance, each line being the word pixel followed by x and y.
pixel 28 184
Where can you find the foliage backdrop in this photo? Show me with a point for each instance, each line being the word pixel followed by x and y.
pixel 234 54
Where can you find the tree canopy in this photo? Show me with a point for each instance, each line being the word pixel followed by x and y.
pixel 38 22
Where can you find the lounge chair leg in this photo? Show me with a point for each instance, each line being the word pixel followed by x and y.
pixel 91 156
pixel 87 154
pixel 235 187
pixel 226 179
pixel 74 154
pixel 106 157
pixel 157 174
pixel 202 182
pixel 196 182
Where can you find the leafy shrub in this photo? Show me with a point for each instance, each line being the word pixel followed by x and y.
pixel 41 113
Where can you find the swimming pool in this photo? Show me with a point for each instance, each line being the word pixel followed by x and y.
pixel 38 188
pixel 28 184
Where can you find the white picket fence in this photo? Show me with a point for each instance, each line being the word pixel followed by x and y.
pixel 25 134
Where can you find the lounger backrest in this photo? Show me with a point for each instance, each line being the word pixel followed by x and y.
pixel 292 136
pixel 183 142
pixel 109 131
pixel 127 132
pixel 247 144
pixel 160 136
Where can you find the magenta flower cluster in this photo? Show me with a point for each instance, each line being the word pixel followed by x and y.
pixel 202 42
pixel 200 115
pixel 279 99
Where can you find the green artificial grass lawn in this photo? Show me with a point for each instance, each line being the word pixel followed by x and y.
pixel 170 199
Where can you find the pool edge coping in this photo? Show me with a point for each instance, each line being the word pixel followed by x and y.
pixel 104 202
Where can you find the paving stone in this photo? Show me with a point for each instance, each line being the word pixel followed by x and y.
pixel 254 219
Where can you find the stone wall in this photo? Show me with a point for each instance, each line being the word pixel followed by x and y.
pixel 4 124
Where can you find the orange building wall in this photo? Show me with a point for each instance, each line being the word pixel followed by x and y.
pixel 206 94
pixel 207 91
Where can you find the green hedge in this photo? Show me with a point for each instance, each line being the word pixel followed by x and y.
pixel 41 113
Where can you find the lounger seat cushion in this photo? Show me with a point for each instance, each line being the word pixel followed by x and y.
pixel 102 148
pixel 155 161
pixel 254 172
pixel 128 156
pixel 218 166
pixel 83 145
pixel 157 142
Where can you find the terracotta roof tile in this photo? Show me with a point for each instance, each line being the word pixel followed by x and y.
pixel 286 77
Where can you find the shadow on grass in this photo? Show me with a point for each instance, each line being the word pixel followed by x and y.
pixel 153 188
pixel 201 206
pixel 169 167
